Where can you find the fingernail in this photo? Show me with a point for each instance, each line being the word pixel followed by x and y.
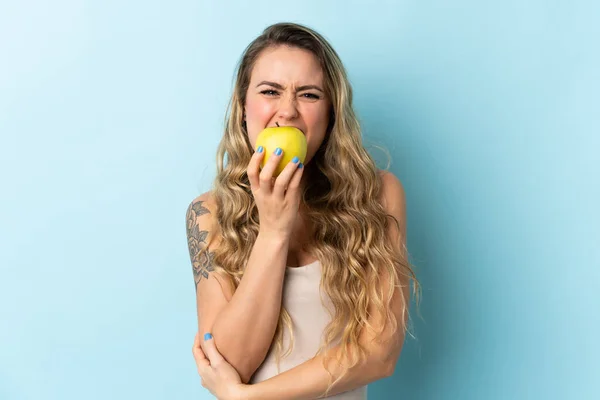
pixel 207 336
pixel 260 149
pixel 278 151
pixel 300 165
pixel 295 160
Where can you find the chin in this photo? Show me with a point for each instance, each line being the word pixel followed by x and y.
pixel 308 159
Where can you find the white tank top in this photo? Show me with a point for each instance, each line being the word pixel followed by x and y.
pixel 302 300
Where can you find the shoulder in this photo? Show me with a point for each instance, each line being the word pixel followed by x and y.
pixel 392 196
pixel 393 200
pixel 202 205
pixel 201 221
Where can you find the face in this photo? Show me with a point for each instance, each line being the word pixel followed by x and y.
pixel 286 89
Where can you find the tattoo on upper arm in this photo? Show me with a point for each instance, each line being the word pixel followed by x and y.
pixel 202 261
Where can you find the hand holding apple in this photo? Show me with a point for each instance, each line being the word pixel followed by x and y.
pixel 277 197
pixel 290 139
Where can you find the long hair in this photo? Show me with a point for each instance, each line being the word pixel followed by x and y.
pixel 341 196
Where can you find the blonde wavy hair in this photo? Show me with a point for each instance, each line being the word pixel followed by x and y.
pixel 341 195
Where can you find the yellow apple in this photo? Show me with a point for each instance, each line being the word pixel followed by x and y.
pixel 291 140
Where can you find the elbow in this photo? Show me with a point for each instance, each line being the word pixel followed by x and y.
pixel 388 368
pixel 376 369
pixel 243 367
pixel 246 369
pixel 246 373
pixel 243 364
pixel 242 357
pixel 387 362
pixel 384 367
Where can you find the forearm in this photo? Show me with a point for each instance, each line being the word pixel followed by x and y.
pixel 244 329
pixel 309 380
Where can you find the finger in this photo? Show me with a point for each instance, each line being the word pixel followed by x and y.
pixel 283 180
pixel 254 167
pixel 196 345
pixel 212 353
pixel 201 360
pixel 293 188
pixel 267 172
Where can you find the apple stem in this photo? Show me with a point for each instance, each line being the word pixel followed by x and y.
pixel 277 123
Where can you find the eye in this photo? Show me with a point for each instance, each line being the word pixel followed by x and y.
pixel 269 92
pixel 311 96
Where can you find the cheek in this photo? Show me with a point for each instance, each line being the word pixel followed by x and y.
pixel 313 145
pixel 316 116
pixel 318 124
pixel 317 121
pixel 255 107
pixel 258 114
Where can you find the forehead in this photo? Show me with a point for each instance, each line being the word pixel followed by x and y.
pixel 284 64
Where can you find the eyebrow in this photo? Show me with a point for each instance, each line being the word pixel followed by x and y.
pixel 298 89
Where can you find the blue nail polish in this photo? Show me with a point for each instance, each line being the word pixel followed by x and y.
pixel 300 165
pixel 207 336
pixel 260 149
pixel 278 151
pixel 295 160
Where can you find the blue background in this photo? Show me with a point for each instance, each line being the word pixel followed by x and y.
pixel 110 114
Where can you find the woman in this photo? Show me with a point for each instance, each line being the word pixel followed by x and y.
pixel 302 281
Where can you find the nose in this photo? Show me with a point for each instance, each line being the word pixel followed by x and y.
pixel 287 108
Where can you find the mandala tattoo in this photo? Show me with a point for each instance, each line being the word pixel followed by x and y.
pixel 201 258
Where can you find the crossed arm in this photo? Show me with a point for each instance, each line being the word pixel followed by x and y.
pixel 310 379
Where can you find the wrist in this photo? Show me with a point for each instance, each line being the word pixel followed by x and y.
pixel 243 392
pixel 274 237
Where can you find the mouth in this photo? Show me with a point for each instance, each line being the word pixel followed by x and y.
pixel 300 129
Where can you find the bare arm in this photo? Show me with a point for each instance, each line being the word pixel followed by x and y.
pixel 242 321
pixel 309 380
